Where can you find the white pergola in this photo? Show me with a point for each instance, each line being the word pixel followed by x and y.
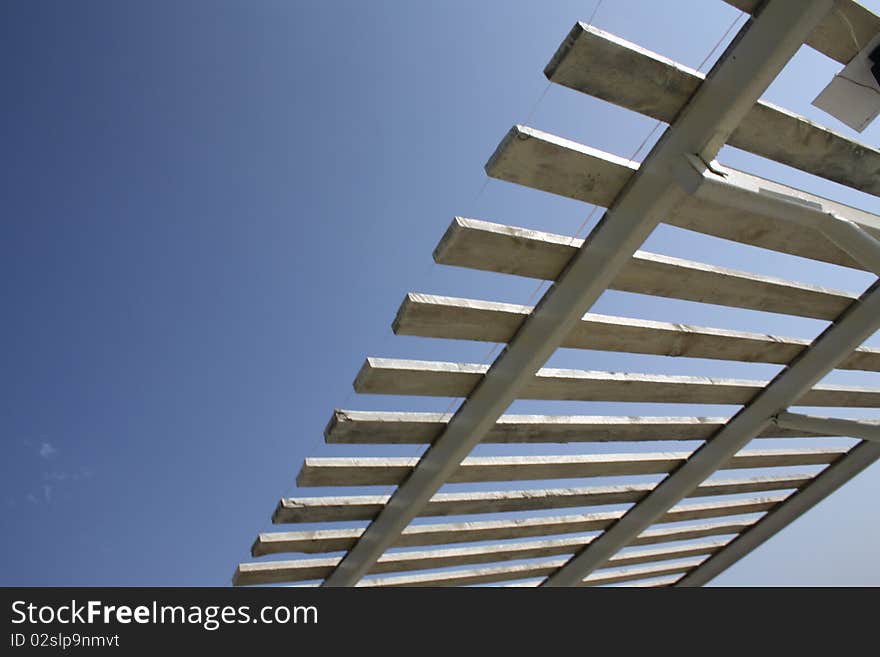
pixel 678 183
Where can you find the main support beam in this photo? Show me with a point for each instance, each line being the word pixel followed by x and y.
pixel 733 86
pixel 829 480
pixel 855 326
pixel 832 425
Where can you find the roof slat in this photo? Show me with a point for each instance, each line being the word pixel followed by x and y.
pixel 408 428
pixel 312 568
pixel 377 471
pixel 604 66
pixel 553 164
pixel 365 507
pixel 334 540
pixel 535 254
pixel 427 315
pixel 439 379
pixel 520 571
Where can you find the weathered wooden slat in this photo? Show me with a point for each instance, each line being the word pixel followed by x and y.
pixel 549 163
pixel 377 471
pixel 411 428
pixel 535 254
pixel 534 569
pixel 843 32
pixel 432 316
pixel 438 379
pixel 272 572
pixel 607 67
pixel 335 540
pixel 654 583
pixel 365 507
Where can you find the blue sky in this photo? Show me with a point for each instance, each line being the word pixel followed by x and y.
pixel 211 211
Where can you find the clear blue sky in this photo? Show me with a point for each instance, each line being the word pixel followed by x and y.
pixel 211 211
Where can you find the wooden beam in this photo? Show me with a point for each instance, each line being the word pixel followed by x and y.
pixel 297 570
pixel 412 428
pixel 438 379
pixel 335 540
pixel 365 507
pixel 432 316
pixel 841 34
pixel 549 163
pixel 536 254
pixel 521 571
pixel 377 471
pixel 278 543
pixel 607 67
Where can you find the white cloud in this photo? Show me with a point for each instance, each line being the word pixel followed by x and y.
pixel 47 451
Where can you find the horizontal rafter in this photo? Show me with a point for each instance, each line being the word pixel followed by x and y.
pixel 536 254
pixel 438 379
pixel 535 569
pixel 376 471
pixel 428 315
pixel 298 570
pixel 334 540
pixel 414 428
pixel 365 507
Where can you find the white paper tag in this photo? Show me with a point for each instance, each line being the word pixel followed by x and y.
pixel 853 96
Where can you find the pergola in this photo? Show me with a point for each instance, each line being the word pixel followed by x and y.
pixel 679 183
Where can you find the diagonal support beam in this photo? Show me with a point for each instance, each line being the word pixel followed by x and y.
pixel 718 185
pixel 730 90
pixel 829 425
pixel 829 480
pixel 855 326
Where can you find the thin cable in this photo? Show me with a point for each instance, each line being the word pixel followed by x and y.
pixel 595 10
pixel 718 44
pixel 537 104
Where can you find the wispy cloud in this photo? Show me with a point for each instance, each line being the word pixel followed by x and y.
pixel 47 451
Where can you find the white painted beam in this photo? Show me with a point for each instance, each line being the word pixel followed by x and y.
pixel 413 428
pixel 720 186
pixel 511 250
pixel 428 315
pixel 366 507
pixel 378 471
pixel 334 540
pixel 494 574
pixel 391 376
pixel 298 570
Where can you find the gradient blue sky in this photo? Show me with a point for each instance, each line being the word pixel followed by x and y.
pixel 211 211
